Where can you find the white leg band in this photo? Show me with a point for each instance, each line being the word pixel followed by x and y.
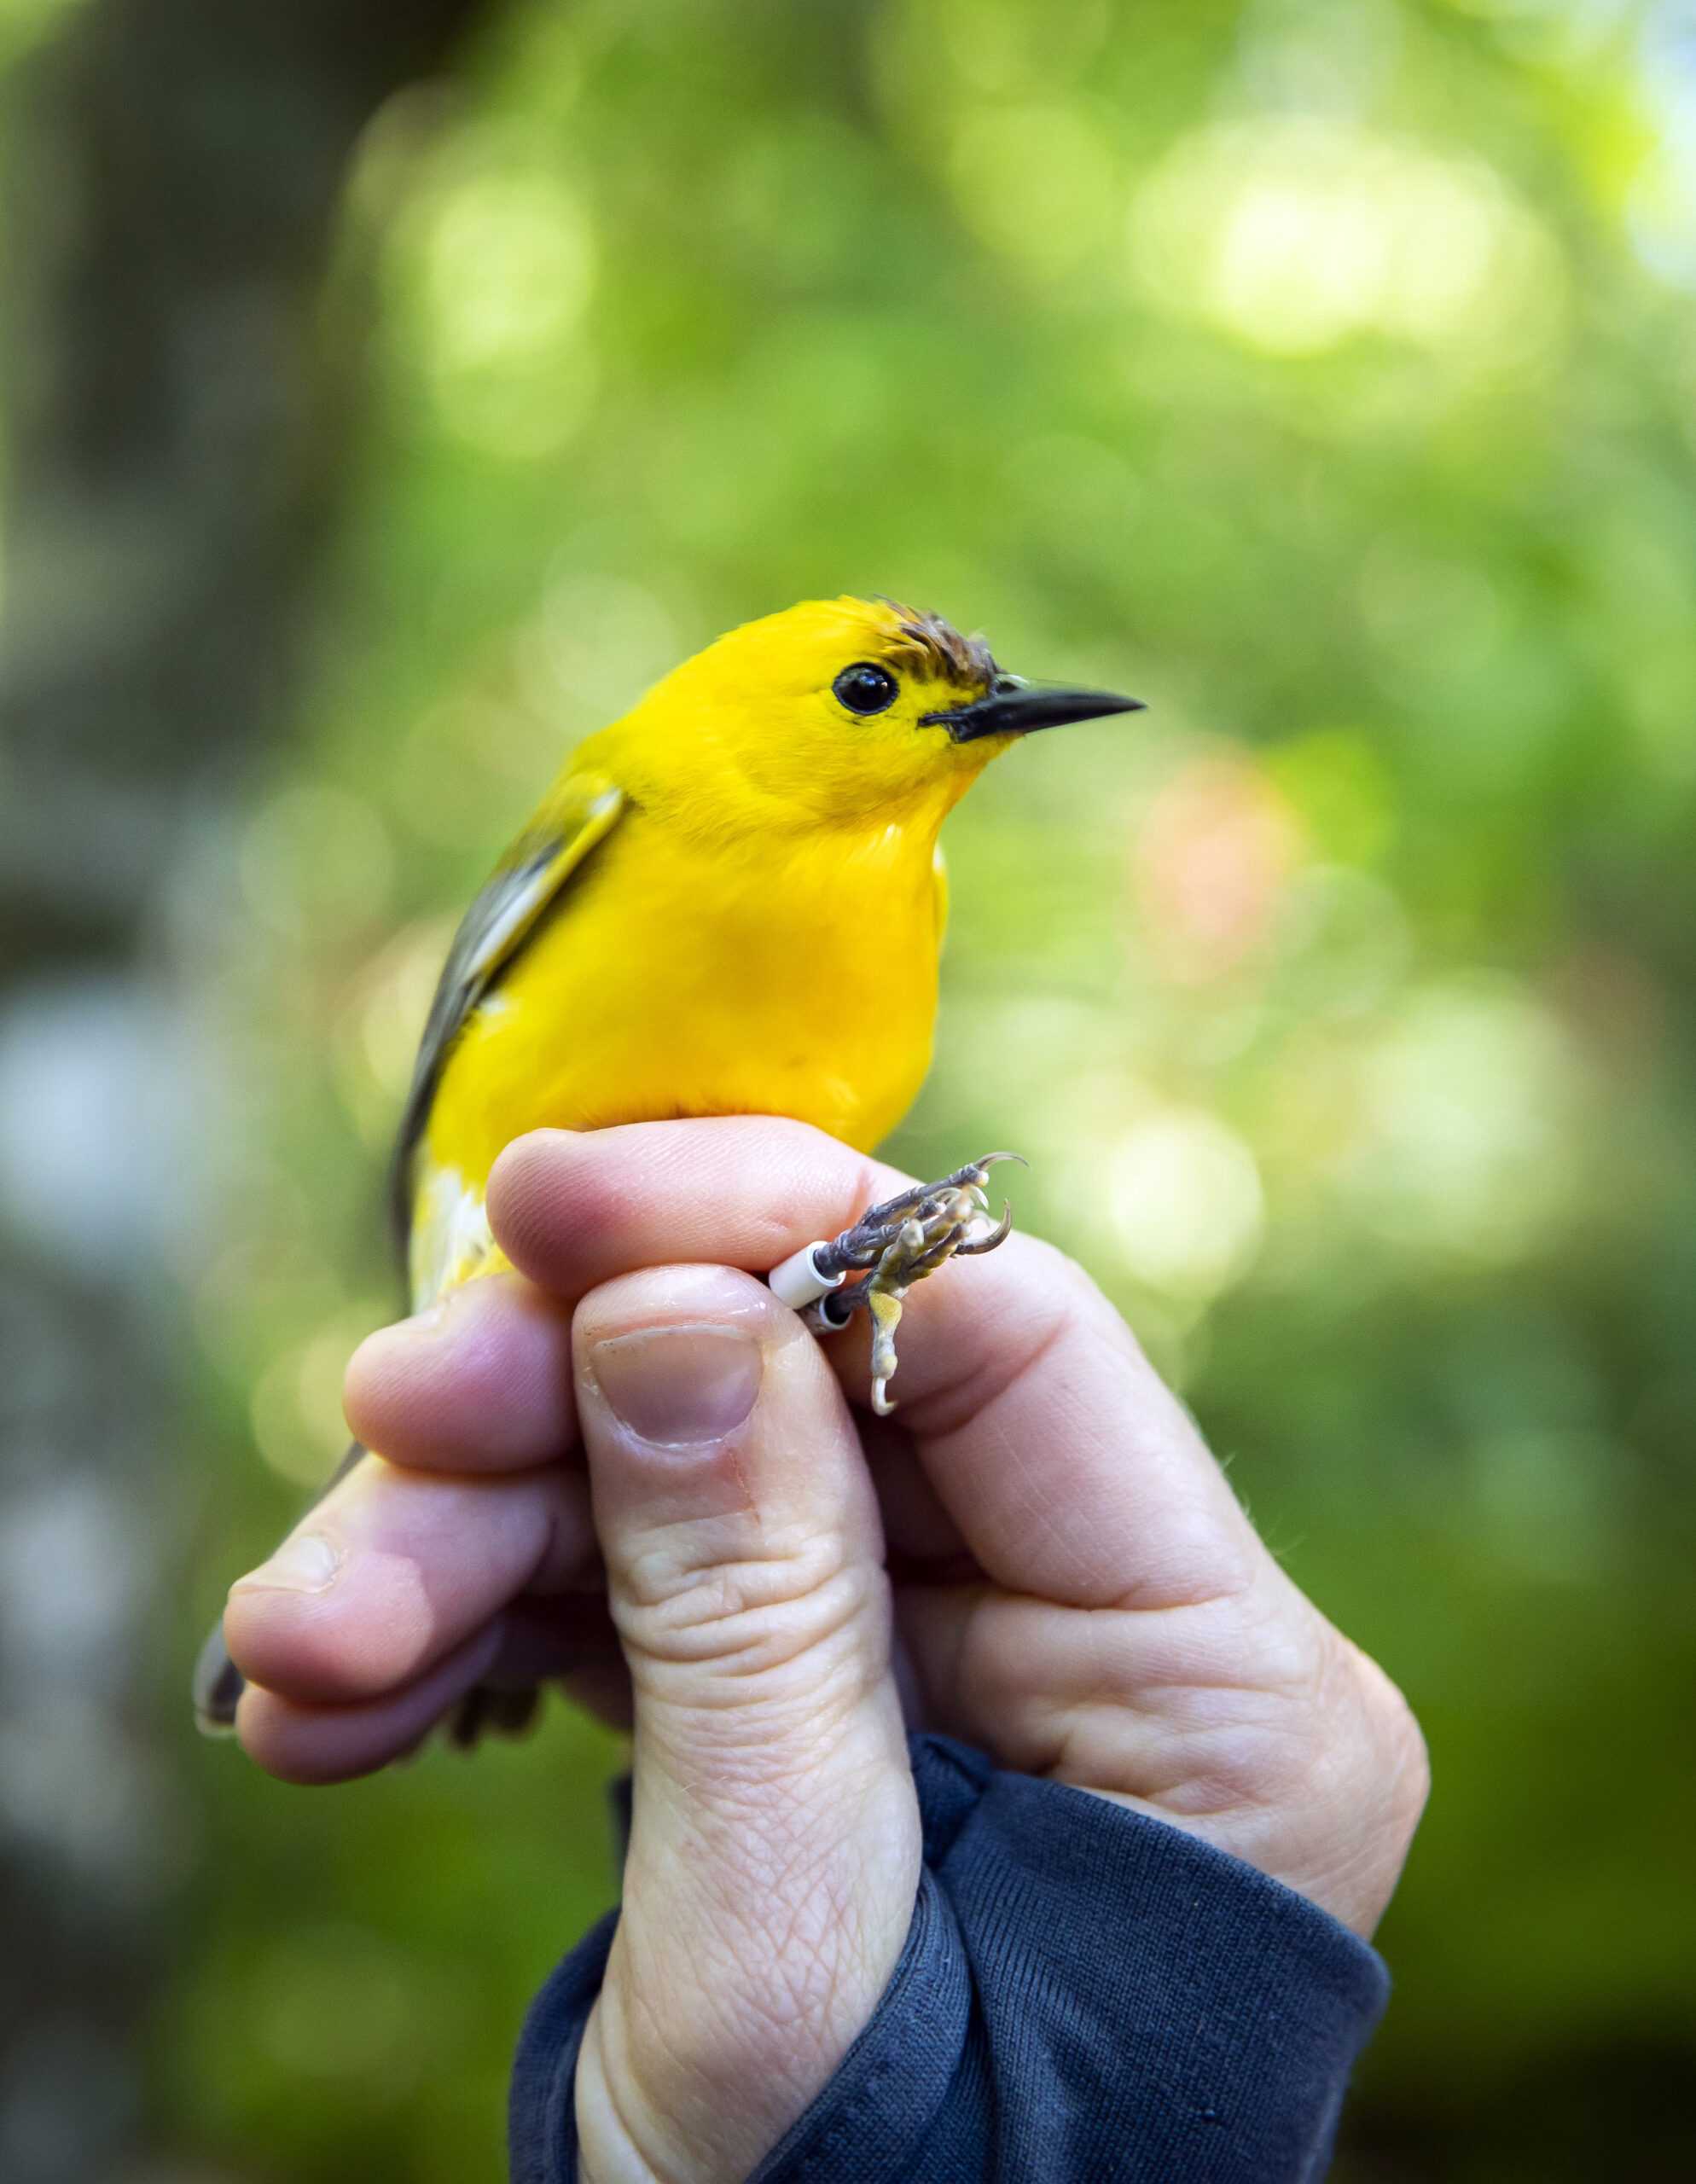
pixel 798 1283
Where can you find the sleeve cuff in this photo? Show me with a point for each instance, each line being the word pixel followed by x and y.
pixel 1085 1992
pixel 893 2081
pixel 541 2110
pixel 1150 2007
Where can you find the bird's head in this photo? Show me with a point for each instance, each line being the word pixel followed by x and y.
pixel 834 712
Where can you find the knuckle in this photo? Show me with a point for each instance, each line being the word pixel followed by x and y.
pixel 744 1618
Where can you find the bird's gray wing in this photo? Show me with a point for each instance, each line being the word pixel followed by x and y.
pixel 491 933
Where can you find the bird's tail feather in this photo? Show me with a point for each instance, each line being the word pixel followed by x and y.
pixel 217 1687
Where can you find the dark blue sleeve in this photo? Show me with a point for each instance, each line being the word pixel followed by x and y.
pixel 1086 1996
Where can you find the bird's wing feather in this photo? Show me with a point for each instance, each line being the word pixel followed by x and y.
pixel 491 933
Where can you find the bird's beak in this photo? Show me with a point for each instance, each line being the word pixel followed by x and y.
pixel 1014 707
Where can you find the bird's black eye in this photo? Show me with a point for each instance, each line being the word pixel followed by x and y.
pixel 865 687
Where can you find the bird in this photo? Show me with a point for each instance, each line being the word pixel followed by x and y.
pixel 731 901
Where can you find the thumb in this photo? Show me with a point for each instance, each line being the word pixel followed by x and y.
pixel 775 1846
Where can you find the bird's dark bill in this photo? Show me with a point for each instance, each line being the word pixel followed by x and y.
pixel 1016 708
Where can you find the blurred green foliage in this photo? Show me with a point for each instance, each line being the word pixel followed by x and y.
pixel 1320 370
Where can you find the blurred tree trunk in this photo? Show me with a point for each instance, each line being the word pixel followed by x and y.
pixel 173 426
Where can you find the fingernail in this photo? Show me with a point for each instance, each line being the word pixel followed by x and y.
pixel 676 1386
pixel 306 1563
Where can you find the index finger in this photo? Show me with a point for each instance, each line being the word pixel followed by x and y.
pixel 1070 1468
pixel 481 1382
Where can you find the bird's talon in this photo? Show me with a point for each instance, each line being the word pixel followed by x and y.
pixel 899 1243
pixel 987 1239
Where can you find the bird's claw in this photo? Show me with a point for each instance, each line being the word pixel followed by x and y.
pixel 899 1243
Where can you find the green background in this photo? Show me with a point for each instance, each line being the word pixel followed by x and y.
pixel 1322 374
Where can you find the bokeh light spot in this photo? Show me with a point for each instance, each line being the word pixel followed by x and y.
pixel 1210 862
pixel 1467 1149
pixel 1294 235
pixel 1186 1202
pixel 1036 182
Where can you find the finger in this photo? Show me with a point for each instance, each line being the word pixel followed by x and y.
pixel 775 1850
pixel 574 1208
pixel 481 1382
pixel 568 1639
pixel 922 1541
pixel 1069 1467
pixel 330 1744
pixel 395 1570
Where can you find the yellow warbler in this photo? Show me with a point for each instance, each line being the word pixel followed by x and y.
pixel 731 903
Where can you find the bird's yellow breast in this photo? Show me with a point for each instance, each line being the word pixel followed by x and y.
pixel 681 978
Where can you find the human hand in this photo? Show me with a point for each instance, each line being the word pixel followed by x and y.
pixel 1076 1588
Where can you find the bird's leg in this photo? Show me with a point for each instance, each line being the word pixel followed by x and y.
pixel 892 1245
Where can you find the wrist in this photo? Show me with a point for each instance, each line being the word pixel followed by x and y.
pixel 754 1944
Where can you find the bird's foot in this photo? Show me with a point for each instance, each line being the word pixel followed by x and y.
pixel 892 1245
